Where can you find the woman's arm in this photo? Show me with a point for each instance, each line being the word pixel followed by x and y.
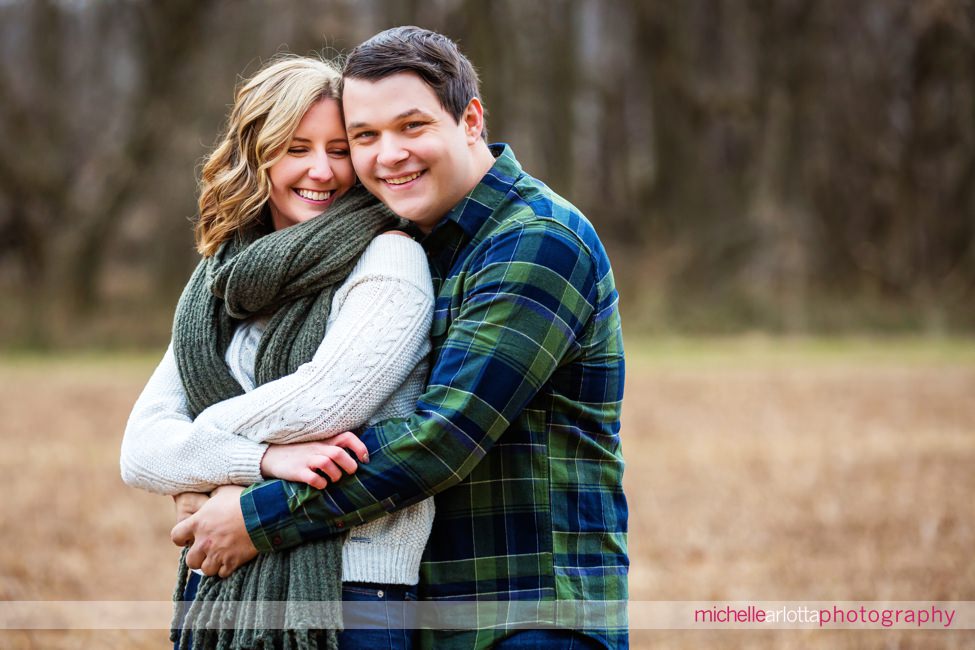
pixel 377 337
pixel 163 452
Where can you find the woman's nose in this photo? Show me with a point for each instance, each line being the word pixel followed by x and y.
pixel 320 170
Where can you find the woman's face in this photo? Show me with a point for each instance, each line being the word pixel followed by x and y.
pixel 316 169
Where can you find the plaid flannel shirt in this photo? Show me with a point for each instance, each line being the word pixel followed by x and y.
pixel 517 433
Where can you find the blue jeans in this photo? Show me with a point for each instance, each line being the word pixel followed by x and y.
pixel 381 621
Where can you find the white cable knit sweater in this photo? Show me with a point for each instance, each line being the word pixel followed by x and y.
pixel 371 366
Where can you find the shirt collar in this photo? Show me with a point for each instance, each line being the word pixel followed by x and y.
pixel 473 211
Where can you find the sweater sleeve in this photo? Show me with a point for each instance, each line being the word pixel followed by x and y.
pixel 378 333
pixel 163 452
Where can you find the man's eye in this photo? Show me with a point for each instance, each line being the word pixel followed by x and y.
pixel 363 135
pixel 414 125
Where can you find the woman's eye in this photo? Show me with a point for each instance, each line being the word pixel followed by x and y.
pixel 339 153
pixel 297 150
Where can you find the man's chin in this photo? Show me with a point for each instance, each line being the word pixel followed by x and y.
pixel 405 209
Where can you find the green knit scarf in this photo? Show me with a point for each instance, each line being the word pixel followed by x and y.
pixel 291 276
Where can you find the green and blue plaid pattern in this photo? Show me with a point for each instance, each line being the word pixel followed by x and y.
pixel 517 433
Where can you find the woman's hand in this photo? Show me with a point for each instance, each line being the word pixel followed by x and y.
pixel 298 462
pixel 188 503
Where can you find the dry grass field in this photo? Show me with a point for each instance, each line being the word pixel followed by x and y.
pixel 762 470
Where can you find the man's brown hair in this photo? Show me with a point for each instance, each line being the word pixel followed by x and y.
pixel 433 57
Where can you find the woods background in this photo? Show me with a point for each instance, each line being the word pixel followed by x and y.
pixel 781 165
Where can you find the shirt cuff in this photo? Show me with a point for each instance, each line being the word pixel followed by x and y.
pixel 268 517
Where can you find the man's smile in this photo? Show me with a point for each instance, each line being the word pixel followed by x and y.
pixel 404 179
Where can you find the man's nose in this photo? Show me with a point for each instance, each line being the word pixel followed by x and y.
pixel 391 152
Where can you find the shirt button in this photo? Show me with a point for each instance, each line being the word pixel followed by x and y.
pixel 277 540
pixel 340 524
pixel 379 593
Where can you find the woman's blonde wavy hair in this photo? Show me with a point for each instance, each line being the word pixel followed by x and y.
pixel 234 183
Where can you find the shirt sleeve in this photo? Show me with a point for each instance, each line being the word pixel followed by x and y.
pixel 379 334
pixel 527 298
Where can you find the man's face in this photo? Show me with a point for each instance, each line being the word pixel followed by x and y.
pixel 408 150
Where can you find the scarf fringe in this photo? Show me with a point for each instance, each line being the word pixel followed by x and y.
pixel 228 614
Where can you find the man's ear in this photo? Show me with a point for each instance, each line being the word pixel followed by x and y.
pixel 473 119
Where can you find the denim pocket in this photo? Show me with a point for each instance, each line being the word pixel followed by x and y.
pixel 360 592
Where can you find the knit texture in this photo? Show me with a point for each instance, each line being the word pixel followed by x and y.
pixel 290 274
pixel 371 366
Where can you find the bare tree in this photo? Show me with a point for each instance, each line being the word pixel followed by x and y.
pixel 756 163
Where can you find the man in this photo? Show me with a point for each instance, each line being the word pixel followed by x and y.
pixel 517 433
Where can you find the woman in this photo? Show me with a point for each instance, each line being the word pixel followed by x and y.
pixel 296 326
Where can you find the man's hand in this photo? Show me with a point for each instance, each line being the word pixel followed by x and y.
pixel 298 462
pixel 220 543
pixel 187 503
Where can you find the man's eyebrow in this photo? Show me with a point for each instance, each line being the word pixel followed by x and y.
pixel 410 112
